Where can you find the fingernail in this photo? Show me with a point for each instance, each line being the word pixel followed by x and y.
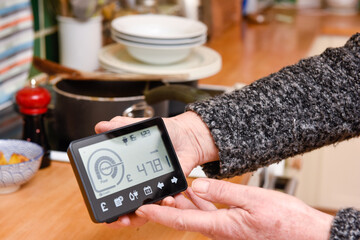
pixel 125 221
pixel 200 186
pixel 140 213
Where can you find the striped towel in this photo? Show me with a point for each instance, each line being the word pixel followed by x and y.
pixel 16 46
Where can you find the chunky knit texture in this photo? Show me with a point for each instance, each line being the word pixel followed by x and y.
pixel 313 103
pixel 346 225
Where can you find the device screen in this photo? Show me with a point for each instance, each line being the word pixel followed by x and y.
pixel 125 161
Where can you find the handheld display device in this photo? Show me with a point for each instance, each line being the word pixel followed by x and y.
pixel 120 170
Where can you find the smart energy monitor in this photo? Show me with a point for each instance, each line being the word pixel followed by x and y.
pixel 120 170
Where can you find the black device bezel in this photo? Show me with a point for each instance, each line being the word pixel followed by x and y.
pixel 93 204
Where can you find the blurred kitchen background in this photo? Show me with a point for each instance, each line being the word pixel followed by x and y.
pixel 216 14
pixel 254 39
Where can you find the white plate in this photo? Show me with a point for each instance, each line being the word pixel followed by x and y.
pixel 201 63
pixel 115 34
pixel 158 26
pixel 158 46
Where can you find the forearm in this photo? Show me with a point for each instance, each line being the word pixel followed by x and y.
pixel 300 108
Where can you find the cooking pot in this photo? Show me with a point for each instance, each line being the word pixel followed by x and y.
pixel 80 105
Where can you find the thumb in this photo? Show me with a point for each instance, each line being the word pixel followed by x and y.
pixel 219 191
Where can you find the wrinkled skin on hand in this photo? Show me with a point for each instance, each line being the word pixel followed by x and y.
pixel 192 142
pixel 254 213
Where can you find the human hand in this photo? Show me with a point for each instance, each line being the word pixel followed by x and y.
pixel 254 213
pixel 190 137
pixel 192 142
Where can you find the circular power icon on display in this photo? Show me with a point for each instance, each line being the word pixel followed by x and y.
pixel 106 170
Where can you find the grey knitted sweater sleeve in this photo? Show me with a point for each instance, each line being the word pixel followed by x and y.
pixel 313 103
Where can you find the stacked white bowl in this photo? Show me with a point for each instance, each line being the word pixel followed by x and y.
pixel 158 39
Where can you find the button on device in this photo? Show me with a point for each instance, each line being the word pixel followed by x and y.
pixel 174 180
pixel 103 206
pixel 147 190
pixel 133 195
pixel 160 185
pixel 118 201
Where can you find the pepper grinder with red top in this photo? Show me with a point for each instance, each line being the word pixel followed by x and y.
pixel 33 102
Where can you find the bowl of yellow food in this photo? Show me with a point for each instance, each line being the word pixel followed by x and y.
pixel 19 161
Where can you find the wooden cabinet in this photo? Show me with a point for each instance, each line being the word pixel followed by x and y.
pixel 220 15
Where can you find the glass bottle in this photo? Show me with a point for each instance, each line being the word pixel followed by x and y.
pixel 33 102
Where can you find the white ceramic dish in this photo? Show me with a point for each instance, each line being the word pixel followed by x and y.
pixel 12 176
pixel 115 34
pixel 202 62
pixel 158 54
pixel 158 26
pixel 126 42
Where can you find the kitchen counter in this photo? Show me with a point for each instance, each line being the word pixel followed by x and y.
pixel 251 51
pixel 50 206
